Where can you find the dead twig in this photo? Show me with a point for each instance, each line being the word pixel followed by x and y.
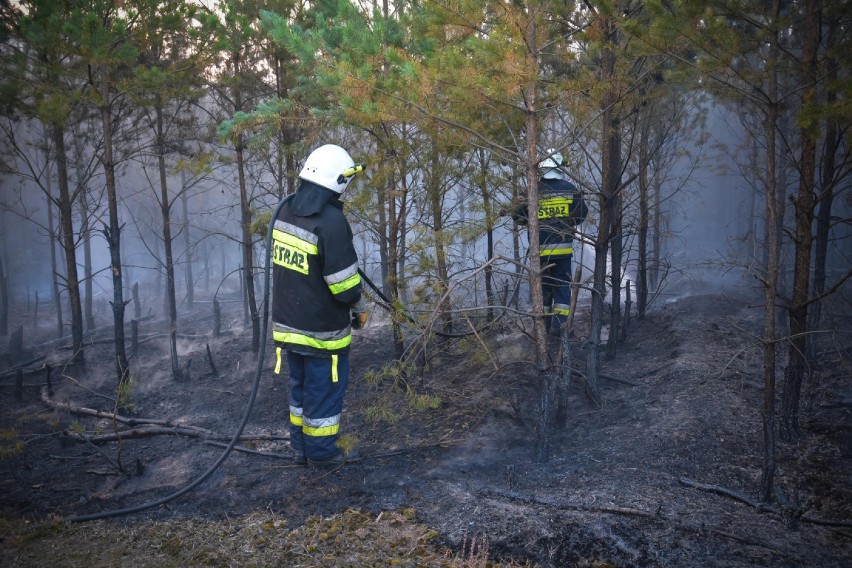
pixel 629 511
pixel 249 450
pixel 719 490
pixel 485 347
pixel 150 426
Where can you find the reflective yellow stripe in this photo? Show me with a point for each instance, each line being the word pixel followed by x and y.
pixel 288 239
pixel 562 311
pixel 334 376
pixel 323 431
pixel 565 250
pixel 299 339
pixel 277 360
pixel 350 282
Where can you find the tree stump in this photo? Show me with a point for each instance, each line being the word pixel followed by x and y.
pixel 625 322
pixel 16 344
pixel 212 364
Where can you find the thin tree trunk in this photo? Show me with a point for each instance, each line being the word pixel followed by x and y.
pixel 392 267
pixel 383 229
pixel 616 247
pixel 657 238
pixel 489 231
pixel 187 245
pixel 826 199
pixel 113 237
pixel 610 160
pixel 66 221
pixel 165 213
pixel 772 241
pixel 85 232
pixel 248 251
pixel 642 229
pixel 516 244
pixel 435 202
pixel 55 236
pixel 247 243
pixel 804 207
pixel 549 379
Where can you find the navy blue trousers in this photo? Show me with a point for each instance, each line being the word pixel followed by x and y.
pixel 556 289
pixel 317 386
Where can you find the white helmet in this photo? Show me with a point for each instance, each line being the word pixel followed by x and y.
pixel 551 165
pixel 331 167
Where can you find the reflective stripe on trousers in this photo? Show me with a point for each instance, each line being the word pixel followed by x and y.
pixel 317 387
pixel 556 289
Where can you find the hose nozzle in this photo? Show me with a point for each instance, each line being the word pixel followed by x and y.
pixel 347 173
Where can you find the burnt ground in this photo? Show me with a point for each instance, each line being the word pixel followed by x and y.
pixel 681 407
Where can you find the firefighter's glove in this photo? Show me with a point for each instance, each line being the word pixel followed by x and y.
pixel 359 320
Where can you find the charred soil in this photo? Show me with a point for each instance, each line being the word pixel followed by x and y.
pixel 664 472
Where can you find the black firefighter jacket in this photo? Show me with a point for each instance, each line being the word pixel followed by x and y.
pixel 560 209
pixel 315 278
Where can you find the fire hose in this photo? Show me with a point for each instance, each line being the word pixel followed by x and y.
pixel 388 305
pixel 246 414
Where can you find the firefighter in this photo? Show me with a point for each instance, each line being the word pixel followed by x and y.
pixel 560 209
pixel 316 302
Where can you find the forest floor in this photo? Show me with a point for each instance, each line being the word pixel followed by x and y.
pixel 664 473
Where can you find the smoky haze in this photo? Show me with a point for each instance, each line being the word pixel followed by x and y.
pixel 711 229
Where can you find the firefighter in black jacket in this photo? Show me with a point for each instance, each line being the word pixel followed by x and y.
pixel 316 302
pixel 560 210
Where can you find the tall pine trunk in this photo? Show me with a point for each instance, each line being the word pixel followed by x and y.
pixel 66 222
pixel 772 244
pixel 489 230
pixel 85 232
pixel 113 237
pixel 826 199
pixel 610 162
pixel 643 222
pixel 804 206
pixel 166 216
pixel 55 238
pixel 436 205
pixel 187 249
pixel 546 375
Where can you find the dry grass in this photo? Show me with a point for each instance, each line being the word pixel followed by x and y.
pixel 352 538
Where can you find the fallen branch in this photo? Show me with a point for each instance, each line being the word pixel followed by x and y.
pixel 149 431
pixel 154 427
pixel 22 366
pixel 250 451
pixel 134 433
pixel 719 490
pixel 514 496
pixel 631 512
